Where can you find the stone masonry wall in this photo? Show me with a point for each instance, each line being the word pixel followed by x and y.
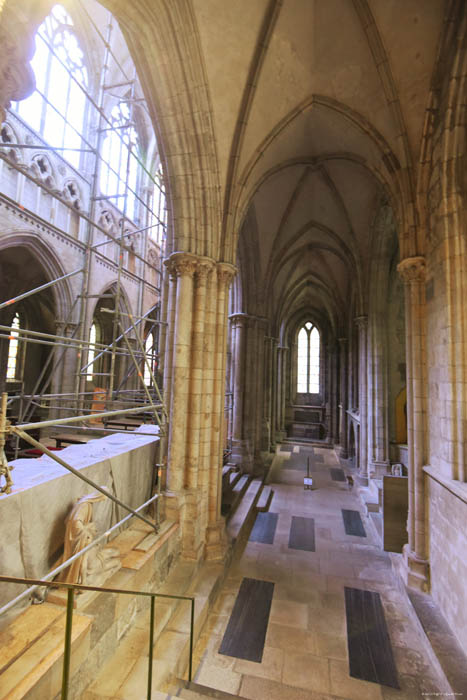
pixel 448 555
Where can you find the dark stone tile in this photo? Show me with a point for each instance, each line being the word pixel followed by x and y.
pixel 302 534
pixel 264 528
pixel 353 523
pixel 246 630
pixel 370 651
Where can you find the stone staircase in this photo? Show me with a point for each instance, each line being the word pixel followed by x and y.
pixel 110 634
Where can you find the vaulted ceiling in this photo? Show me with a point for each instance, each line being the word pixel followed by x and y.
pixel 318 110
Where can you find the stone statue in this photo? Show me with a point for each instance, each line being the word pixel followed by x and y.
pixel 96 564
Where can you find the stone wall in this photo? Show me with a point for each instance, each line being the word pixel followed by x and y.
pixel 448 550
pixel 43 493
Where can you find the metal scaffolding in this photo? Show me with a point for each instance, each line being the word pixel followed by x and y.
pixel 136 391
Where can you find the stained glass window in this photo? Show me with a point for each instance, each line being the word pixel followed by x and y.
pixel 308 360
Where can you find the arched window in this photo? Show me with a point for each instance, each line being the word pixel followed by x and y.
pixel 91 352
pixel 119 169
pixel 158 209
pixel 150 354
pixel 56 109
pixel 308 360
pixel 13 348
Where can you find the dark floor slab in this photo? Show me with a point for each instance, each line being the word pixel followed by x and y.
pixel 353 523
pixel 302 534
pixel 246 630
pixel 264 528
pixel 337 474
pixel 370 651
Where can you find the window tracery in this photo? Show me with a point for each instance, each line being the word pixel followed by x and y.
pixel 308 360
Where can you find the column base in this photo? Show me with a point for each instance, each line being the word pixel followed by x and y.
pixel 343 453
pixel 416 571
pixel 187 507
pixel 216 543
pixel 241 455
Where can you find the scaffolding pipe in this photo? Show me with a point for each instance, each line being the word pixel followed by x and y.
pixel 38 445
pixel 81 419
pixel 39 289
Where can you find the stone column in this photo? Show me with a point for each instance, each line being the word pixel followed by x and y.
pixel 215 530
pixel 239 322
pixel 182 268
pixel 362 323
pixel 412 271
pixel 343 398
pixel 203 269
pixel 378 438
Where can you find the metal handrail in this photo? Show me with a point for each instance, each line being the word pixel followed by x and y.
pixel 72 587
pixel 65 564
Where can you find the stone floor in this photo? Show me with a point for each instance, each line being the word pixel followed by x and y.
pixel 305 655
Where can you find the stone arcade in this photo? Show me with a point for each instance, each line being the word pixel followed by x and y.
pixel 258 206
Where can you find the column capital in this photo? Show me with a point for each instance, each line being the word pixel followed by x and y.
pixel 412 269
pixel 361 321
pixel 225 273
pixel 204 268
pixel 180 264
pixel 239 318
pixel 342 342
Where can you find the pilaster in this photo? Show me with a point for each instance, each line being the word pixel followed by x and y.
pixel 412 271
pixel 362 324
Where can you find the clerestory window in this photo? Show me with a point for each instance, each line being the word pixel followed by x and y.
pixel 119 169
pixel 308 375
pixel 56 109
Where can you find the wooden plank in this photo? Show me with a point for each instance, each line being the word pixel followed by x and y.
pixel 248 623
pixel 353 523
pixel 302 534
pixel 369 645
pixel 337 474
pixel 395 510
pixel 264 528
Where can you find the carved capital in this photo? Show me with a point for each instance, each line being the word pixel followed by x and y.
pixel 181 264
pixel 412 269
pixel 204 268
pixel 225 273
pixel 239 319
pixel 362 322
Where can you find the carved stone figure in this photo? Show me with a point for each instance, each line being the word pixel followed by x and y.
pixel 99 562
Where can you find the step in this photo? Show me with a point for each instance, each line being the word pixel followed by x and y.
pixel 240 523
pixel 231 499
pixel 265 499
pixel 197 691
pixel 31 652
pixel 125 674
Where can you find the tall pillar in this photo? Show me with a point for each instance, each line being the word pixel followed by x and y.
pixel 378 437
pixel 362 323
pixel 239 322
pixel 343 398
pixel 215 530
pixel 182 268
pixel 412 271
